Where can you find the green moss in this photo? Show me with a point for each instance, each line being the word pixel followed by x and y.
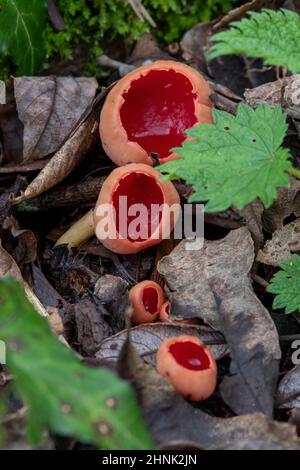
pixel 97 23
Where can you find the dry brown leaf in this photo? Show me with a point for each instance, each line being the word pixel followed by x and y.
pixel 287 203
pixel 252 215
pixel 214 284
pixel 172 419
pixel 288 393
pixel 147 338
pixel 49 108
pixel 284 242
pixel 283 92
pixel 11 129
pixel 9 268
pixel 73 151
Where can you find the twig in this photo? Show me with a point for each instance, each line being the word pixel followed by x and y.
pixel 55 17
pixel 239 12
pixel 141 12
pixel 259 280
pixel 83 194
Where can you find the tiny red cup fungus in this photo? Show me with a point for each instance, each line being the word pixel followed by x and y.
pixel 149 109
pixel 144 209
pixel 165 311
pixel 146 299
pixel 189 366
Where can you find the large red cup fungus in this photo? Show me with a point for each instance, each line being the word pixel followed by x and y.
pixel 149 109
pixel 146 299
pixel 145 209
pixel 189 366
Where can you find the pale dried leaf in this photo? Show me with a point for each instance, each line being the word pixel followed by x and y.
pixel 288 393
pixel 73 151
pixel 172 419
pixel 287 203
pixel 9 268
pixel 147 339
pixel 214 284
pixel 284 242
pixel 49 108
pixel 285 92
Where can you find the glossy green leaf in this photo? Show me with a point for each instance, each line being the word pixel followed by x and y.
pixel 22 25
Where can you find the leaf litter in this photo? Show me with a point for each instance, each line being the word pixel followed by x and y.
pixel 84 293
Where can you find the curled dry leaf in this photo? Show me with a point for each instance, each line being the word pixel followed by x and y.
pixel 73 151
pixel 252 216
pixel 170 418
pixel 214 284
pixel 288 393
pixel 112 292
pixel 91 326
pixel 9 268
pixel 147 338
pixel 26 242
pixel 284 242
pixel 49 108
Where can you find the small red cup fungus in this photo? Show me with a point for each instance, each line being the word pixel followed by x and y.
pixel 189 366
pixel 165 311
pixel 146 299
pixel 144 209
pixel 149 109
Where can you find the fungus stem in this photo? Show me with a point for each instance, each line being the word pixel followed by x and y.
pixel 79 232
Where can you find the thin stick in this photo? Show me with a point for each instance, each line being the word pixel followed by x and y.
pixel 79 232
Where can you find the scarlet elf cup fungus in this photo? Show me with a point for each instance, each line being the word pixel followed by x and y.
pixel 146 299
pixel 149 109
pixel 135 209
pixel 189 366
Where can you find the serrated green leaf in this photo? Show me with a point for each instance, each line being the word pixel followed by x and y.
pixel 64 395
pixel 270 35
pixel 236 159
pixel 22 25
pixel 285 284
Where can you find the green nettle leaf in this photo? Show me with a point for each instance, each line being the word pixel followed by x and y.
pixel 22 25
pixel 62 394
pixel 270 35
pixel 285 284
pixel 236 159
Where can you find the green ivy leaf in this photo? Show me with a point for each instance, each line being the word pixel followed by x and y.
pixel 285 284
pixel 69 398
pixel 22 25
pixel 236 159
pixel 270 35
